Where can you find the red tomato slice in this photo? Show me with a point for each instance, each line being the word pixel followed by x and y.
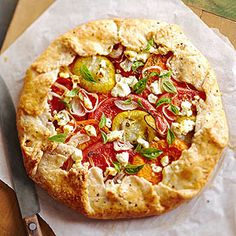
pixel 187 94
pixel 107 107
pixel 100 155
pixel 56 104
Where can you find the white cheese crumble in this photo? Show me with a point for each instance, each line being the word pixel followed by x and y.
pixel 62 117
pixel 77 155
pixel 183 127
pixel 122 146
pixel 143 142
pixel 156 169
pixel 131 80
pixel 123 158
pixel 110 171
pixel 155 87
pixel 103 63
pixel 121 90
pixel 108 122
pixel 64 75
pixel 152 98
pixel 134 56
pixel 90 130
pixel 115 135
pixel 131 55
pixel 87 103
pixel 186 109
pixel 143 56
pixel 68 128
pixel 165 160
pixel 126 65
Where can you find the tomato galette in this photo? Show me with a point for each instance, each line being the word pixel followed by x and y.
pixel 121 118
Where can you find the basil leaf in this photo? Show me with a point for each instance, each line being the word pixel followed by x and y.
pixel 166 75
pixel 103 120
pixel 150 153
pixel 86 74
pixel 128 101
pixel 140 86
pixel 153 74
pixel 59 138
pixel 163 101
pixel 68 105
pixel 133 169
pixel 138 148
pixel 117 166
pixel 168 86
pixel 174 109
pixel 136 65
pixel 170 137
pixel 140 103
pixel 104 137
pixel 72 93
pixel 150 44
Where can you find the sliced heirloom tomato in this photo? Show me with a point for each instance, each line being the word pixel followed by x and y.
pixel 100 155
pixel 99 74
pixel 146 172
pixel 135 125
pixel 107 107
pixel 56 104
pixel 173 151
pixel 187 94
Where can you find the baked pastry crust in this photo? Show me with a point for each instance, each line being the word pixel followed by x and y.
pixel 84 189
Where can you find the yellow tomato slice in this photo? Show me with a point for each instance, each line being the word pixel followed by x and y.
pixel 102 71
pixel 135 125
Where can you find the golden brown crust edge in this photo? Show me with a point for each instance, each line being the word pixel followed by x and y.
pixel 83 189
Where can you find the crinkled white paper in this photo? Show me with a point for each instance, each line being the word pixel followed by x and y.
pixel 213 212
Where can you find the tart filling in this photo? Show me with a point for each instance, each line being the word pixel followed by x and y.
pixel 126 113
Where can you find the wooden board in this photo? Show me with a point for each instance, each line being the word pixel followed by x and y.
pixel 224 8
pixel 26 12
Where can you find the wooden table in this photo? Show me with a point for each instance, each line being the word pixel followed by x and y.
pixel 26 12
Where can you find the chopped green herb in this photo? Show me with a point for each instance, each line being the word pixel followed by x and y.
pixel 149 45
pixel 150 153
pixel 166 75
pixel 59 138
pixel 81 96
pixel 86 74
pixel 72 93
pixel 163 101
pixel 168 86
pixel 174 109
pixel 127 101
pixel 133 169
pixel 136 65
pixel 170 137
pixel 140 86
pixel 153 74
pixel 104 137
pixel 117 166
pixel 103 120
pixel 140 103
pixel 138 148
pixel 68 105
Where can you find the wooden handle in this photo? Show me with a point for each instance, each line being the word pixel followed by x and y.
pixel 32 226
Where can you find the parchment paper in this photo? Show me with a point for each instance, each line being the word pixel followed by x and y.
pixel 213 212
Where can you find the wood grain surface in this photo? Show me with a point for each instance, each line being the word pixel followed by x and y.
pixel 26 12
